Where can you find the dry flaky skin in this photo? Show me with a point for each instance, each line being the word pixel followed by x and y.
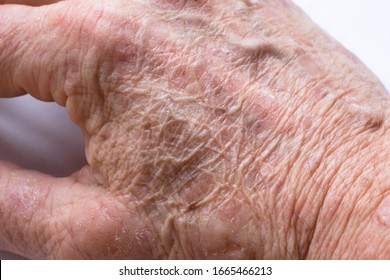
pixel 214 129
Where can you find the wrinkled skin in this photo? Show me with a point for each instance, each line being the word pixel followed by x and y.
pixel 213 130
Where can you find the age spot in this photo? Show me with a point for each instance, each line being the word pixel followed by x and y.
pixel 383 212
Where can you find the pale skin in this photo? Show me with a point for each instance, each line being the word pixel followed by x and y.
pixel 213 130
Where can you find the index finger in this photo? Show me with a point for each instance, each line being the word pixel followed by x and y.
pixel 34 51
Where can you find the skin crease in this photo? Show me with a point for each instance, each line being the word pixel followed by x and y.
pixel 213 130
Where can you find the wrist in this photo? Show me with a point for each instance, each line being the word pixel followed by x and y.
pixel 352 219
pixel 334 170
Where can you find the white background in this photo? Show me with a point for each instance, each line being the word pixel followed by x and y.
pixel 40 136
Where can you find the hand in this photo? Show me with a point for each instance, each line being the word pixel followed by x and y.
pixel 213 129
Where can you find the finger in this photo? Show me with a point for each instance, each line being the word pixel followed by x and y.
pixel 29 2
pixel 18 27
pixel 44 217
pixel 34 57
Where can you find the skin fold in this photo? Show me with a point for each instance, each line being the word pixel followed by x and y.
pixel 213 130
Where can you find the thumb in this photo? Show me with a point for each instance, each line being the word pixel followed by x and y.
pixel 33 206
pixel 42 217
